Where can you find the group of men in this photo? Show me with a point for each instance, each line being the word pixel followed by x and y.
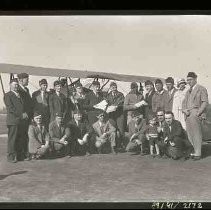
pixel 163 123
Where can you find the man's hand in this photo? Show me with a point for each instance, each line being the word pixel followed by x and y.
pixel 159 129
pixel 165 140
pixel 172 143
pixel 25 116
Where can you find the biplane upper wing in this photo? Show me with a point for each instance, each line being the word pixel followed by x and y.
pixel 43 71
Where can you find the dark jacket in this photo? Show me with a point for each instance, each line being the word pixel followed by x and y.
pixel 15 108
pixel 176 131
pixel 39 105
pixel 148 99
pixel 170 100
pixel 57 104
pixel 27 101
pixel 78 131
pixel 160 101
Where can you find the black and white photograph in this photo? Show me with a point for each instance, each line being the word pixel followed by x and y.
pixel 108 108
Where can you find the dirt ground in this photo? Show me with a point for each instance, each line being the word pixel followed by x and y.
pixel 100 178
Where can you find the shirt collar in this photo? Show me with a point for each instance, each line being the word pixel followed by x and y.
pixel 160 93
pixel 24 88
pixel 171 91
pixel 17 94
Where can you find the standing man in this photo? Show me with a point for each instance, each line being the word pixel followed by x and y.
pixel 28 109
pixel 93 98
pixel 194 108
pixel 134 101
pixel 171 91
pixel 115 101
pixel 57 102
pixel 40 100
pixel 177 102
pixel 160 98
pixel 15 114
pixel 148 98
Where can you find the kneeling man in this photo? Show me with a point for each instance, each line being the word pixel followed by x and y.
pixel 175 144
pixel 80 132
pixel 104 132
pixel 38 138
pixel 59 134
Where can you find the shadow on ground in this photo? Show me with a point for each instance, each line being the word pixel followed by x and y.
pixel 12 174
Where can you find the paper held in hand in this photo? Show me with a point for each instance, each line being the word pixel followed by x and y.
pixel 111 109
pixel 141 103
pixel 102 105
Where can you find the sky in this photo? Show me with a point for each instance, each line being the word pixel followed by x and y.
pixel 141 45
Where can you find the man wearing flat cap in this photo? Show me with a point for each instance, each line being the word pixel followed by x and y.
pixel 160 97
pixel 15 116
pixel 38 138
pixel 57 102
pixel 171 91
pixel 40 100
pixel 134 100
pixel 115 101
pixel 28 109
pixel 93 98
pixel 177 102
pixel 104 133
pixel 150 91
pixel 194 108
pixel 59 135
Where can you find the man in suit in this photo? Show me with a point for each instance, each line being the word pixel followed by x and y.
pixel 104 132
pixel 38 138
pixel 59 135
pixel 115 101
pixel 194 108
pixel 80 134
pixel 40 99
pixel 28 109
pixel 148 98
pixel 160 97
pixel 136 133
pixel 57 102
pixel 171 92
pixel 15 114
pixel 91 99
pixel 134 100
pixel 175 144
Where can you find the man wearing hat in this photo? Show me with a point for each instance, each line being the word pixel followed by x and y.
pixel 104 133
pixel 115 101
pixel 80 134
pixel 40 100
pixel 28 109
pixel 136 133
pixel 177 102
pixel 148 97
pixel 15 116
pixel 59 135
pixel 160 97
pixel 57 102
pixel 171 91
pixel 194 108
pixel 134 100
pixel 38 137
pixel 93 98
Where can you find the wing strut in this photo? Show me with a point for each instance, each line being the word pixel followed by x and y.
pixel 2 84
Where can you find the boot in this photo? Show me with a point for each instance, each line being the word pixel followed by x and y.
pixel 113 150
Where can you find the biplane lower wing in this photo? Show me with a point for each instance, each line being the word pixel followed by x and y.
pixel 42 71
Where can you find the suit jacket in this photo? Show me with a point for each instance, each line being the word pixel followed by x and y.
pixel 27 101
pixel 41 105
pixel 160 101
pixel 170 100
pixel 176 131
pixel 37 137
pixel 140 129
pixel 78 131
pixel 55 133
pixel 148 99
pixel 194 99
pixel 117 100
pixel 15 108
pixel 107 128
pixel 57 104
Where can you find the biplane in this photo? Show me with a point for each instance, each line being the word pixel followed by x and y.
pixel 71 77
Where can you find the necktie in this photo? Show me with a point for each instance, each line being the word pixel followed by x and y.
pixel 190 90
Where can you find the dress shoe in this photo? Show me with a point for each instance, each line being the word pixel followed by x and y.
pixel 195 158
